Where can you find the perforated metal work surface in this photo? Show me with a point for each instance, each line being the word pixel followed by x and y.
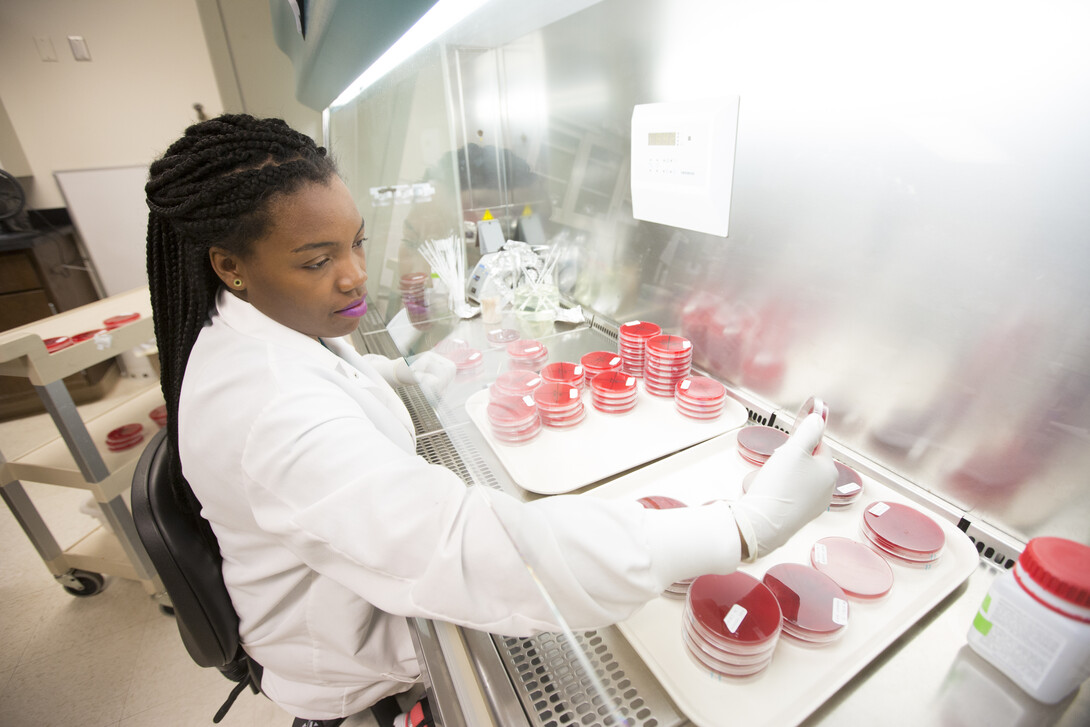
pixel 557 692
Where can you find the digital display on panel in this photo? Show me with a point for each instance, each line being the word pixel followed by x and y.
pixel 662 138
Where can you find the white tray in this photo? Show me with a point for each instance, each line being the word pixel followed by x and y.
pixel 800 678
pixel 561 460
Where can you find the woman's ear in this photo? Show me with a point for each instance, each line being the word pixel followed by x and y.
pixel 228 268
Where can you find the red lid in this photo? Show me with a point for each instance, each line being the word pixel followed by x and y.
pixel 613 382
pixel 1060 566
pixel 639 330
pixel 761 440
pixel 810 599
pixel 701 388
pixel 905 528
pixel 556 396
pixel 670 346
pixel 713 598
pixel 115 321
pixel 56 344
pixel 563 372
pixel 854 567
pixel 86 335
pixel 125 432
pixel 599 361
pixel 511 410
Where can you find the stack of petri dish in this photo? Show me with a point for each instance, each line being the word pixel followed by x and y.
pixel 564 372
pixel 500 337
pixel 414 295
pixel 677 589
pixel 699 397
pixel 515 383
pixel 859 571
pixel 731 624
pixel 57 343
pixel 902 534
pixel 159 415
pixel 756 443
pixel 815 609
pixel 599 362
pixel 559 405
pixel 527 354
pixel 632 344
pixel 467 360
pixel 125 437
pixel 513 419
pixel 614 392
pixel 668 361
pixel 117 321
pixel 848 487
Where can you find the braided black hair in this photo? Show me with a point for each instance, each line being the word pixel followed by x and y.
pixel 212 187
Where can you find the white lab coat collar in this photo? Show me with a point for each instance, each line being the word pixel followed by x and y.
pixel 247 320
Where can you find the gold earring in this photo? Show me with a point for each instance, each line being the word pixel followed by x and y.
pixel 237 282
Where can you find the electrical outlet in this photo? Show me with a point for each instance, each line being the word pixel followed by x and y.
pixel 79 48
pixel 46 51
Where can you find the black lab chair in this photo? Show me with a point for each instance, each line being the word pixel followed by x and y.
pixel 187 559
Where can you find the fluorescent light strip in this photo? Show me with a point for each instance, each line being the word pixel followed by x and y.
pixel 443 16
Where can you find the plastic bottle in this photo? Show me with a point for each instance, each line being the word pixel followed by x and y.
pixel 1034 624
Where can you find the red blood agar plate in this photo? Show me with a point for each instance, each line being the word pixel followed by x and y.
pixel 564 372
pixel 52 345
pixel 670 347
pixel 736 610
pixel 559 398
pixel 904 529
pixel 660 502
pixel 599 362
pixel 86 335
pixel 502 335
pixel 511 411
pixel 116 321
pixel 125 432
pixel 857 569
pixel 526 348
pixel 759 440
pixel 812 603
pixel 515 383
pixel 638 330
pixel 614 384
pixel 701 389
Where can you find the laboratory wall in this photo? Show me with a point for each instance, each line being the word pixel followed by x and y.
pixel 908 220
pixel 149 65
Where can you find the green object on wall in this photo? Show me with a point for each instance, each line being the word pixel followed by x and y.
pixel 342 39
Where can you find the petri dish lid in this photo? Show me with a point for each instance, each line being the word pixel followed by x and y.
pixel 849 484
pixel 810 600
pixel 511 410
pixel 858 570
pixel 555 396
pixel 518 381
pixel 660 502
pixel 736 608
pixel 563 372
pixel 760 440
pixel 720 657
pixel 600 361
pixel 502 335
pixel 120 320
pixel 718 667
pixel 86 335
pixel 701 389
pixel 695 414
pixel 638 330
pixel 669 347
pixel 57 343
pixel 904 528
pixel 125 431
pixel 526 348
pixel 614 383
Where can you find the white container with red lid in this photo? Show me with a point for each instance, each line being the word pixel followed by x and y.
pixel 1034 624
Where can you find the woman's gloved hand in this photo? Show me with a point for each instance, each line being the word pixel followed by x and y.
pixel 432 372
pixel 791 489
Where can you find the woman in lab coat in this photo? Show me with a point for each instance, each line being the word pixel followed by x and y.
pixel 332 530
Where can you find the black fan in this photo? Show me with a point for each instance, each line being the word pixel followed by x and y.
pixel 13 216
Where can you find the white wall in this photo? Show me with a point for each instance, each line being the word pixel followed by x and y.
pixel 149 65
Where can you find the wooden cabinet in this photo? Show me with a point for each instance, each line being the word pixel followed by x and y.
pixel 42 273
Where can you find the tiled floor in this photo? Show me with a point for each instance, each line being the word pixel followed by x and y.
pixel 108 660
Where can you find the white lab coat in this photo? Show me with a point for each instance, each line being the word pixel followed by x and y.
pixel 333 530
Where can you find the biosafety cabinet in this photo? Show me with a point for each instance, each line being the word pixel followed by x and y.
pixel 879 204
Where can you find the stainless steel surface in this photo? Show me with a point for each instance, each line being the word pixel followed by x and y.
pixel 438 683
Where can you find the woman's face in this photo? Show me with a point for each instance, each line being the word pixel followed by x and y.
pixel 308 271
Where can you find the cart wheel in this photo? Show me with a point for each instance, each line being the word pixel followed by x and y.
pixel 91 583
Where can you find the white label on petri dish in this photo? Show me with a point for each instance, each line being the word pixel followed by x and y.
pixel 879 509
pixel 615 360
pixel 848 488
pixel 821 553
pixel 631 323
pixel 532 349
pixel 578 371
pixel 529 400
pixel 685 384
pixel 631 381
pixel 573 394
pixel 840 611
pixel 685 345
pixel 533 382
pixel 734 617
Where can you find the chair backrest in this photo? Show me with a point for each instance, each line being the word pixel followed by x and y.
pixel 185 559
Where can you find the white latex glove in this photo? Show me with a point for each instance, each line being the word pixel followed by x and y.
pixel 432 372
pixel 791 489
